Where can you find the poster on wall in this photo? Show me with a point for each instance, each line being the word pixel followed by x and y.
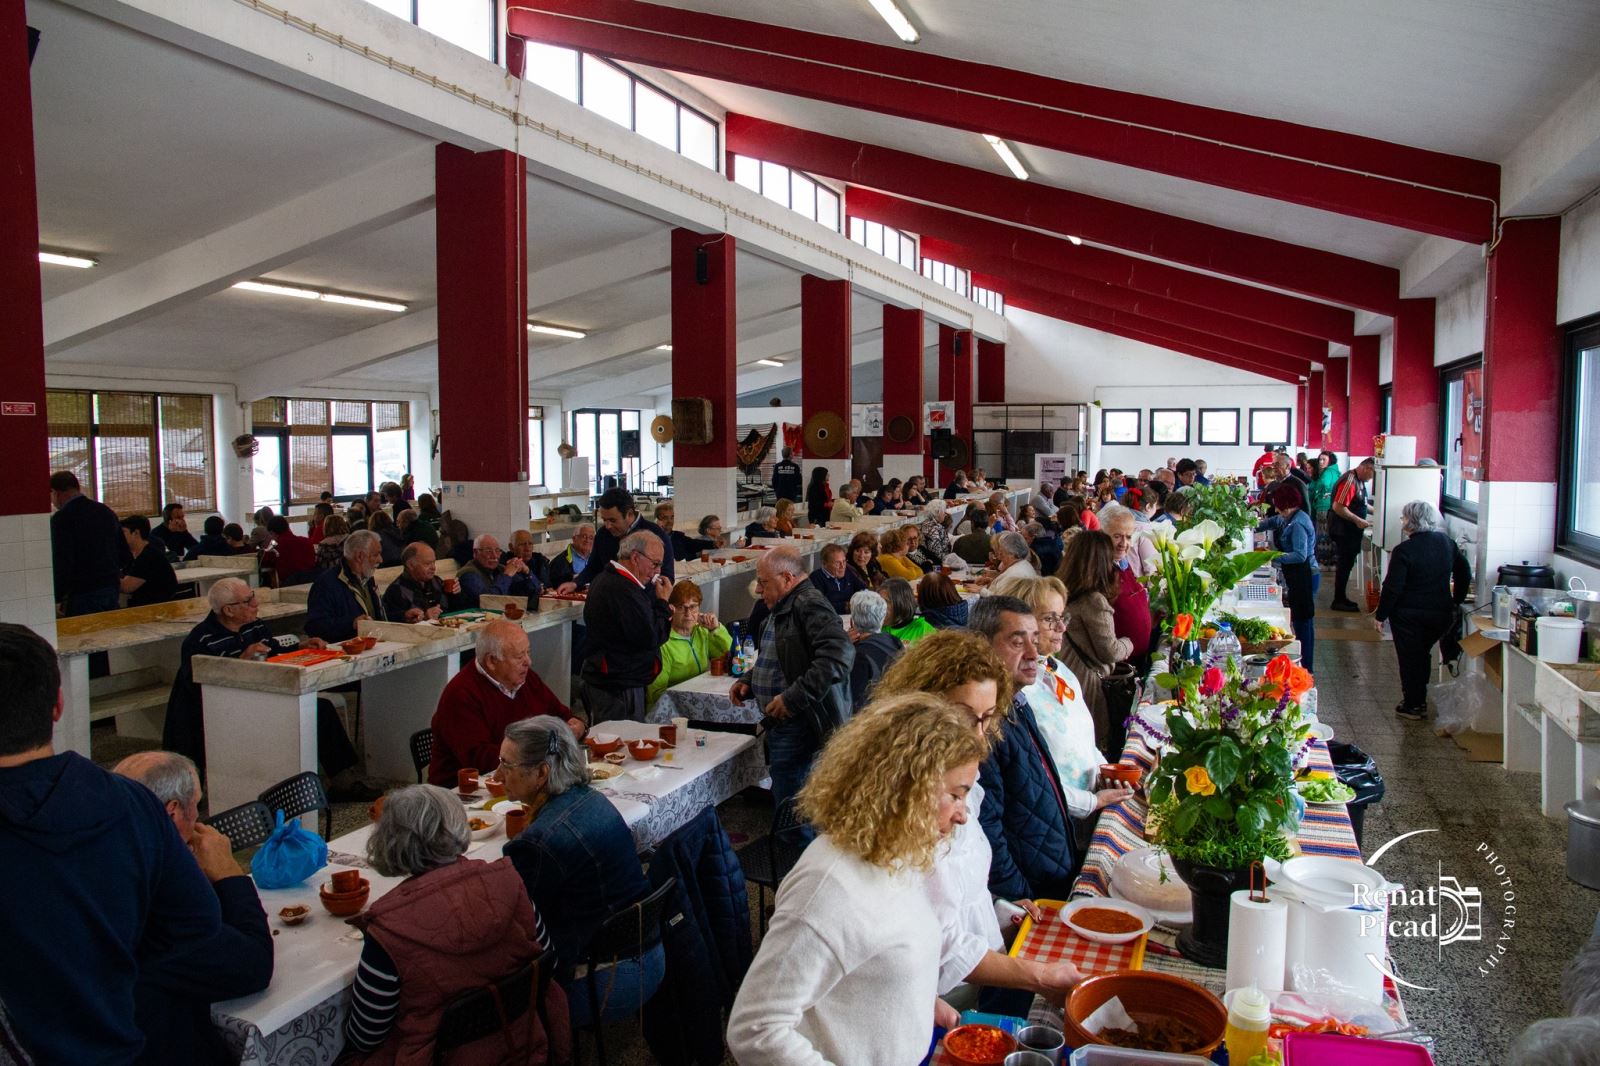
pixel 938 414
pixel 1472 424
pixel 866 420
pixel 1051 468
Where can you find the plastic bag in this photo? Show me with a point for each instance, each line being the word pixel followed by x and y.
pixel 1460 701
pixel 291 854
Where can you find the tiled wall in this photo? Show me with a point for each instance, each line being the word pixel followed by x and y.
pixel 27 591
pixel 493 507
pixel 1516 523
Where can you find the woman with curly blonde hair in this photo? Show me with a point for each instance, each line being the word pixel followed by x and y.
pixel 964 670
pixel 848 970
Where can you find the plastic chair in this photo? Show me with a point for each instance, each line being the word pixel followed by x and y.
pixel 767 861
pixel 246 826
pixel 299 795
pixel 627 934
pixel 421 752
pixel 492 1008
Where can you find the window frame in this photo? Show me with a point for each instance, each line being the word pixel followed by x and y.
pixel 1188 425
pixel 1200 426
pixel 1288 421
pixel 1449 374
pixel 1570 541
pixel 821 190
pixel 1138 426
pixel 158 474
pixel 1385 408
pixel 279 437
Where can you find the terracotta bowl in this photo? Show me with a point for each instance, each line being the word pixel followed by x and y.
pixel 963 1045
pixel 294 915
pixel 1148 995
pixel 345 904
pixel 513 612
pixel 354 646
pixel 644 750
pixel 1123 774
pixel 370 642
pixel 600 749
pixel 496 787
pixel 344 882
pixel 615 758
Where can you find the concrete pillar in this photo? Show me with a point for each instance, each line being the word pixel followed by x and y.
pixel 1314 402
pixel 27 588
pixel 991 371
pixel 1302 413
pixel 1365 401
pixel 1522 400
pixel 1336 395
pixel 955 384
pixel 705 327
pixel 902 389
pixel 825 341
pixel 1416 381
pixel 483 338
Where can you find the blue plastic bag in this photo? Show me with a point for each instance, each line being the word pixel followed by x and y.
pixel 291 854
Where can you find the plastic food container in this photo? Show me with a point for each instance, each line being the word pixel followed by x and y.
pixel 1101 1055
pixel 1332 1049
pixel 1559 639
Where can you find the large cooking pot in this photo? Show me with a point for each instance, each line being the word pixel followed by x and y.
pixel 1583 600
pixel 1527 575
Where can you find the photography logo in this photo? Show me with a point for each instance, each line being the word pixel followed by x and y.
pixel 1444 913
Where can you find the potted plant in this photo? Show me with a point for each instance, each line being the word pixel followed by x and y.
pixel 1193 568
pixel 1222 795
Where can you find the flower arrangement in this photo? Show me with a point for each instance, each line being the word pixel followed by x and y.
pixel 1224 504
pixel 1194 567
pixel 1223 794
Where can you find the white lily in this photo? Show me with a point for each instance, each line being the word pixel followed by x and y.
pixel 1205 579
pixel 1205 534
pixel 1160 533
pixel 1191 552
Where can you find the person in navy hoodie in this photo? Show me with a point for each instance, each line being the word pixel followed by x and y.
pixel 98 893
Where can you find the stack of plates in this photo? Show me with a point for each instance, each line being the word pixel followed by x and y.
pixel 1137 878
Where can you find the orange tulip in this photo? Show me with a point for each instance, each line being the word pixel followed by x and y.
pixel 1182 626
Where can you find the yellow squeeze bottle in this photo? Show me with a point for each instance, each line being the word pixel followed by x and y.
pixel 1249 1015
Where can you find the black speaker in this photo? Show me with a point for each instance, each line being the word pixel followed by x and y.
pixel 630 444
pixel 942 445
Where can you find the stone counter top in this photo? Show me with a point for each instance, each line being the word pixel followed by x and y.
pixel 297 680
pixel 111 630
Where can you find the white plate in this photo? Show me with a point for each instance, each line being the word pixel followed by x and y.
pixel 1145 918
pixel 494 818
pixel 1136 877
pixel 1322 731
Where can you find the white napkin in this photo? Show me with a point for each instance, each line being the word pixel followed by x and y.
pixel 1110 1015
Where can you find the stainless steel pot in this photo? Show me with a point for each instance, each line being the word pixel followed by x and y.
pixel 1583 600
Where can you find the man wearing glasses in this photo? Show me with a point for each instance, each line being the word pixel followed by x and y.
pixel 626 619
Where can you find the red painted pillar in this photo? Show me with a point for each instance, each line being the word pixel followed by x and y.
pixel 1416 382
pixel 991 371
pixel 1522 355
pixel 25 474
pixel 1314 401
pixel 955 384
pixel 705 325
pixel 1336 394
pixel 1297 439
pixel 1365 404
pixel 825 342
pixel 902 389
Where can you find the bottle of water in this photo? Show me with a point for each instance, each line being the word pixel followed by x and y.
pixel 747 652
pixel 1223 646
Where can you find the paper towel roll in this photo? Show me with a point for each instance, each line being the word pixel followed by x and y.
pixel 1258 935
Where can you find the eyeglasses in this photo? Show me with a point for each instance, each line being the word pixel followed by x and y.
pixel 503 766
pixel 1054 621
pixel 242 603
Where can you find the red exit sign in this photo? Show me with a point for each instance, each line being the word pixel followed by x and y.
pixel 18 407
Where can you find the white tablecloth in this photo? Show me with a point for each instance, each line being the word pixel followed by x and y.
pixel 705 699
pixel 299 1019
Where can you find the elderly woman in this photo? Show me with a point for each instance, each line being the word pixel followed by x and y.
pixel 875 649
pixel 577 861
pixel 783 518
pixel 903 620
pixel 1092 648
pixel 914 552
pixel 1427 580
pixel 330 549
pixel 892 556
pixel 764 524
pixel 941 602
pixel 935 530
pixel 413 964
pixel 849 969
pixel 1134 558
pixel 694 640
pixel 1296 538
pixel 862 558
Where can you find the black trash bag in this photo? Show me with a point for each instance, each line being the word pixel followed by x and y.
pixel 1360 771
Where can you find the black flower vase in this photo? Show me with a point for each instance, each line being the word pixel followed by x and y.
pixel 1183 653
pixel 1210 889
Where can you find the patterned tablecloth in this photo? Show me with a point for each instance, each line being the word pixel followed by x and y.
pixel 704 699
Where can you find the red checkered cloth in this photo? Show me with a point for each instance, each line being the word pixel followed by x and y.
pixel 1051 941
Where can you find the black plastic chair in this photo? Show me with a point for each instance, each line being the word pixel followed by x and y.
pixel 299 795
pixel 493 1008
pixel 246 826
pixel 767 861
pixel 421 752
pixel 626 935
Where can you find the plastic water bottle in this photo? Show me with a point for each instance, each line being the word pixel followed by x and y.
pixel 736 660
pixel 1223 646
pixel 747 652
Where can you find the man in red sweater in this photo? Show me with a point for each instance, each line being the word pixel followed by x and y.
pixel 498 688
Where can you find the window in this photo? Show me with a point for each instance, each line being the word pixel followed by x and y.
pixel 1219 425
pixel 1579 489
pixel 1385 408
pixel 551 68
pixel 536 446
pixel 994 301
pixel 1007 439
pixel 607 91
pixel 1120 426
pixel 134 451
pixel 1461 430
pixel 951 277
pixel 1169 425
pixel 308 447
pixel 885 240
pixel 471 24
pixel 1270 425
pixel 599 434
pixel 794 189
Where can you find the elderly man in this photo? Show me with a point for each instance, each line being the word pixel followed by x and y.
pixel 487 573
pixel 567 567
pixel 959 486
pixel 874 648
pixel 835 579
pixel 1042 501
pixel 172 535
pixel 523 548
pixel 149 577
pixel 102 897
pixel 343 596
pixel 1024 814
pixel 618 518
pixel 844 508
pixel 801 679
pixel 177 1020
pixel 474 709
pixel 1012 563
pixel 1200 473
pixel 419 594
pixel 85 547
pixel 626 620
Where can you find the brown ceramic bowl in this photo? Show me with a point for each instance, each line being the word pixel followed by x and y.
pixel 344 882
pixel 1121 775
pixel 496 787
pixel 979 1045
pixel 600 749
pixel 294 915
pixel 513 612
pixel 354 646
pixel 371 642
pixel 615 758
pixel 738 559
pixel 1152 996
pixel 644 750
pixel 346 904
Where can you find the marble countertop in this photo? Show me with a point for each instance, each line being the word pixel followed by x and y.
pixel 297 680
pixel 107 631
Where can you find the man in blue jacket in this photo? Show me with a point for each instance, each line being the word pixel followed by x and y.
pixel 98 894
pixel 618 517
pixel 343 596
pixel 1024 812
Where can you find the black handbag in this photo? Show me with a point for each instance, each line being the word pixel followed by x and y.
pixel 1119 688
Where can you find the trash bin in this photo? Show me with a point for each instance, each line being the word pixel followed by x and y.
pixel 1360 771
pixel 1583 842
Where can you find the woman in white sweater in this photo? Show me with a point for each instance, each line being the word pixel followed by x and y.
pixel 848 971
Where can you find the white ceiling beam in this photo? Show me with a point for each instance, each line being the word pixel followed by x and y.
pixel 342 355
pixel 338 212
pixel 621 263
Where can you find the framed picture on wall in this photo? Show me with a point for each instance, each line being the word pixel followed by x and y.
pixel 1219 425
pixel 1121 425
pixel 1169 425
pixel 1269 425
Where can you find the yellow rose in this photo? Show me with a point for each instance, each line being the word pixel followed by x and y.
pixel 1199 781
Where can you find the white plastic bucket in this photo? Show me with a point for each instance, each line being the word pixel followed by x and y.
pixel 1558 639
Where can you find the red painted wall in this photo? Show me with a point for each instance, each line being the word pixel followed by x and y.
pixel 991 372
pixel 955 384
pixel 1336 394
pixel 1522 354
pixel 1416 381
pixel 1364 407
pixel 1314 411
pixel 902 374
pixel 825 352
pixel 705 326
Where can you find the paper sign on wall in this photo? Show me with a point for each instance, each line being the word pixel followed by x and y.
pixel 938 414
pixel 1471 431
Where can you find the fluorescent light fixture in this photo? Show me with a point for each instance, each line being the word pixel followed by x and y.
pixel 556 331
pixel 298 293
pixel 896 19
pixel 1007 156
pixel 770 362
pixel 663 347
pixel 1074 240
pixel 60 259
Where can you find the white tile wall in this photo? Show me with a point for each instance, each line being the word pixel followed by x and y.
pixel 1516 523
pixel 496 507
pixel 699 491
pixel 27 590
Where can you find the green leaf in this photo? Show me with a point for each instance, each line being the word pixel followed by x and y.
pixel 1187 815
pixel 1182 732
pixel 1161 791
pixel 1223 761
pixel 1251 817
pixel 1219 808
pixel 1167 680
pixel 1278 761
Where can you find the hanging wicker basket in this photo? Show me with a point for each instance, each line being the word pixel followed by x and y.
pixel 246 445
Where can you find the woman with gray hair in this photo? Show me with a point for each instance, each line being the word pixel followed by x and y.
pixel 875 649
pixel 764 524
pixel 1427 580
pixel 935 530
pixel 577 861
pixel 453 925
